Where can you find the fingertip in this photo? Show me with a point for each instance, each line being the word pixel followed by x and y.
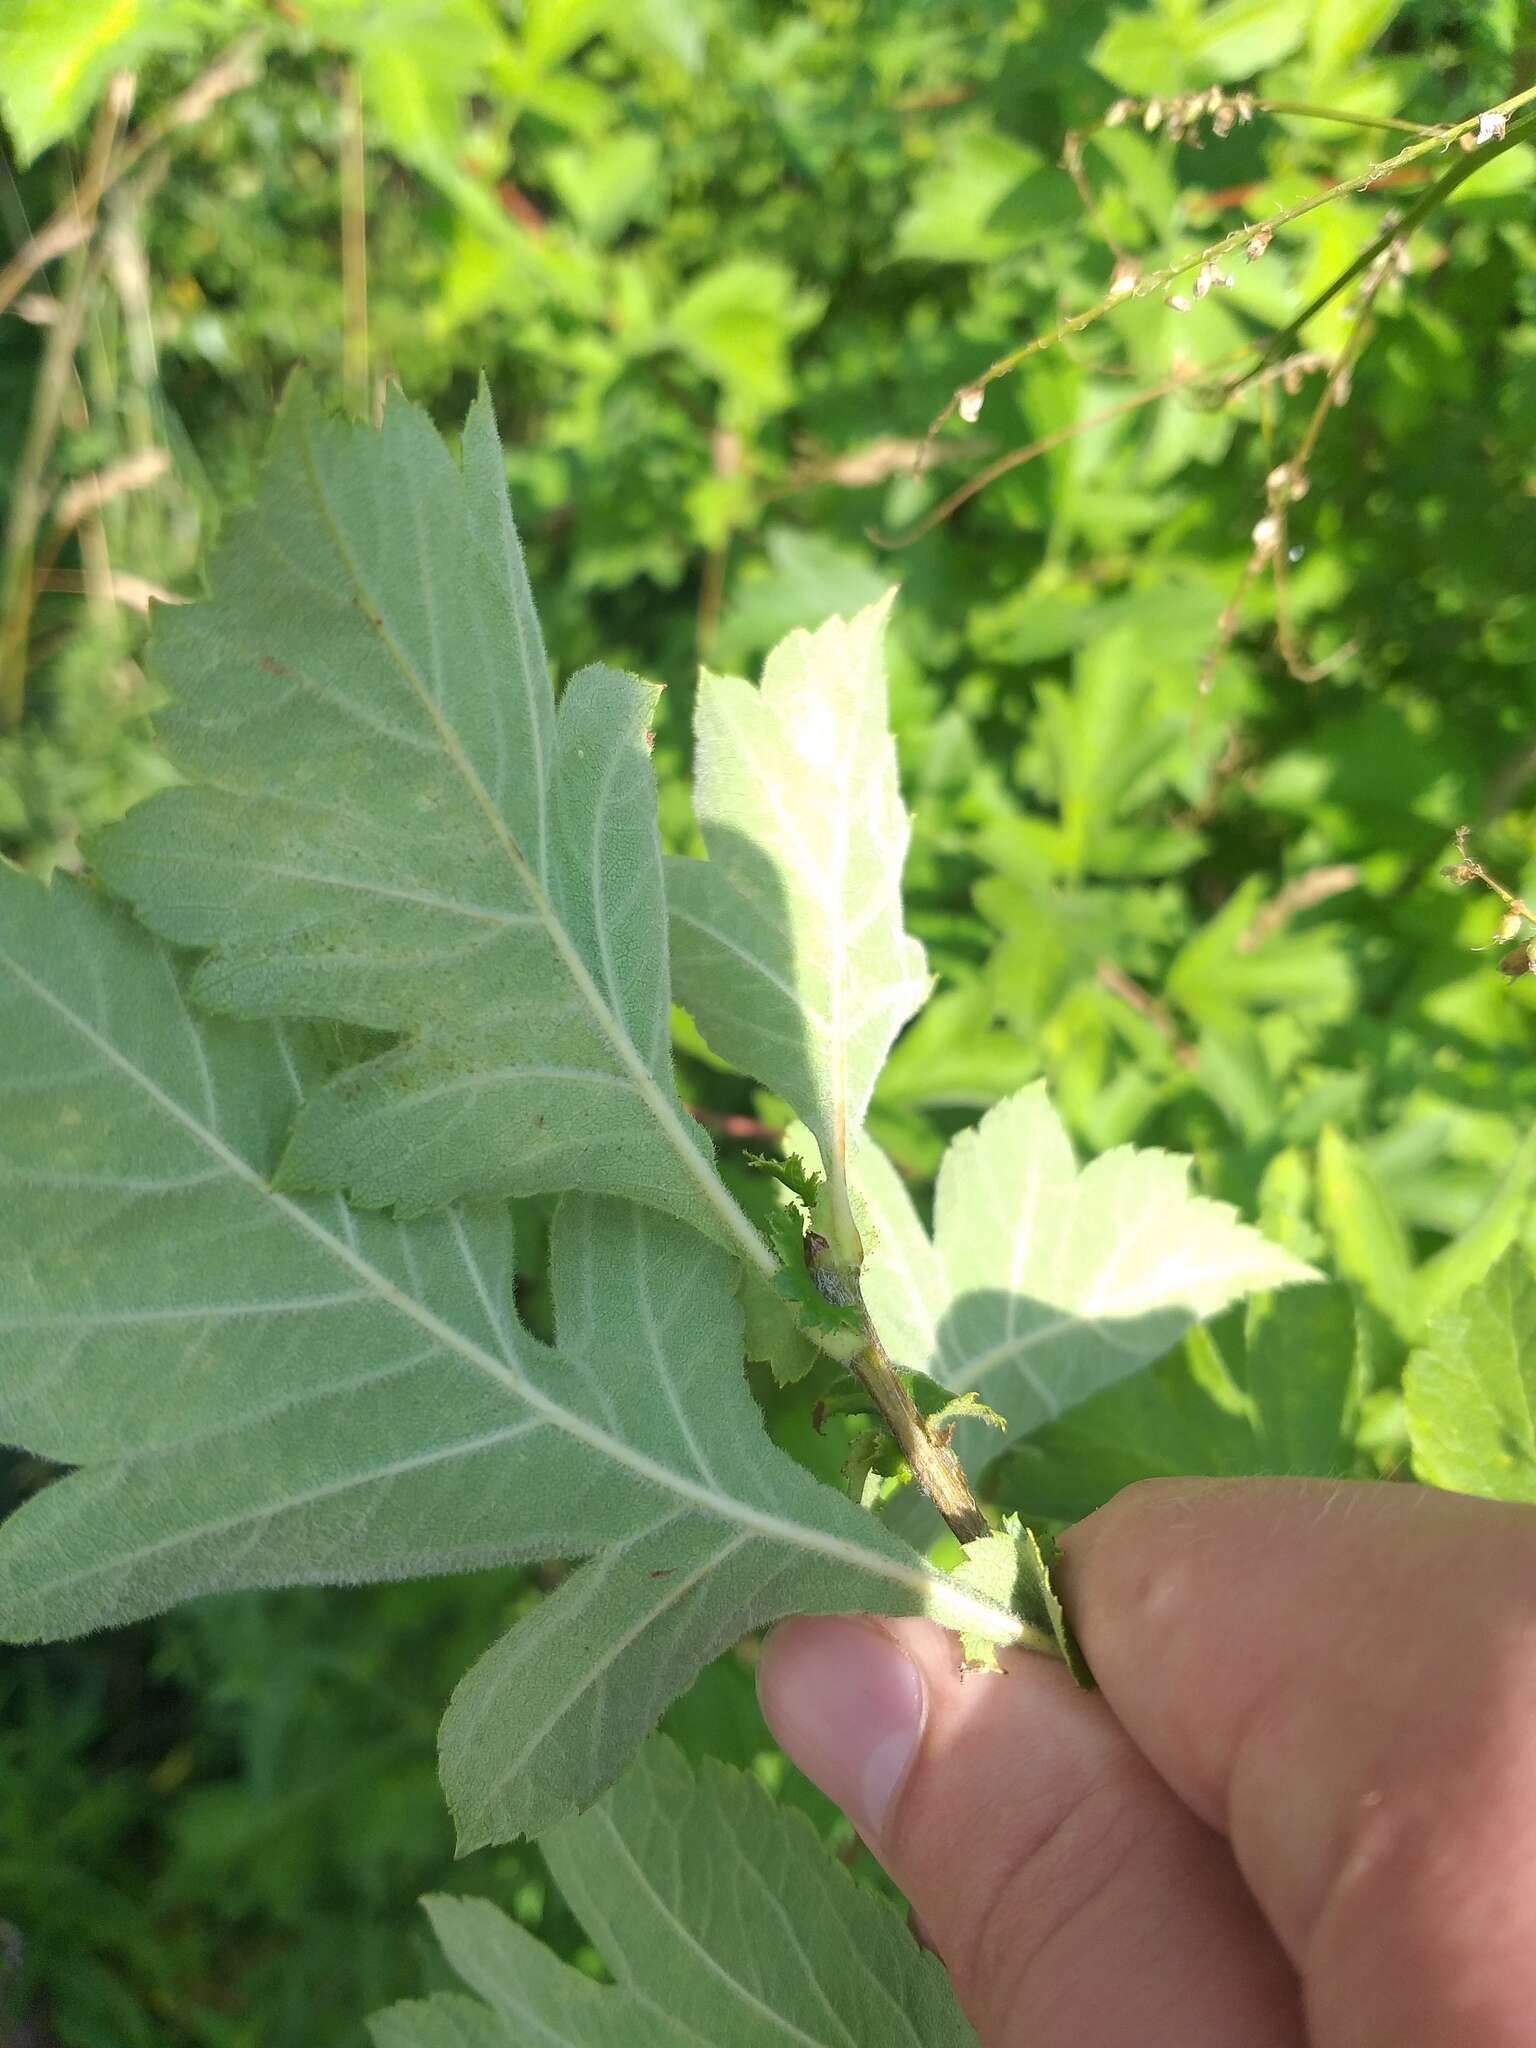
pixel 847 1704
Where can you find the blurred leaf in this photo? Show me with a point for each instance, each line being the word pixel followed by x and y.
pixel 1369 1241
pixel 1304 1379
pixel 1443 1279
pixel 55 61
pixel 738 322
pixel 955 215
pixel 1471 1389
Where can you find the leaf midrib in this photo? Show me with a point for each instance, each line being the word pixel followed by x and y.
pixel 724 1507
pixel 668 1119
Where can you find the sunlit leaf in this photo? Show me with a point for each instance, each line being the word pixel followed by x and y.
pixel 1046 1282
pixel 1471 1389
pixel 788 943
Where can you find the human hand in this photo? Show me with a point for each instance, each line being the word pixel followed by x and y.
pixel 1300 1810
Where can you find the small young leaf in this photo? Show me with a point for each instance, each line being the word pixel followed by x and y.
pixel 390 824
pixel 721 1918
pixel 787 943
pixel 1011 1568
pixel 266 1391
pixel 1471 1389
pixel 833 1325
pixel 774 1333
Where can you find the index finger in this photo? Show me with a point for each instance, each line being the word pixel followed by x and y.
pixel 1341 1677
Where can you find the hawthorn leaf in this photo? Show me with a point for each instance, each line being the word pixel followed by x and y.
pixel 389 823
pixel 265 1390
pixel 721 1918
pixel 787 943
pixel 1470 1389
pixel 1045 1282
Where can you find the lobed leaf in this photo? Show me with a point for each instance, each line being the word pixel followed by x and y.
pixel 1470 1389
pixel 1045 1282
pixel 787 943
pixel 266 1390
pixel 390 824
pixel 721 1918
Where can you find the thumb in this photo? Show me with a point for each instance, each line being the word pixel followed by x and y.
pixel 1071 1894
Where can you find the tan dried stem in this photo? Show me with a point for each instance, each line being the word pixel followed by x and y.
pixel 71 223
pixel 933 1465
pixel 1469 870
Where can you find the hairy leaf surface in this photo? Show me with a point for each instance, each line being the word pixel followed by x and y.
pixel 1045 1282
pixel 390 823
pixel 263 1390
pixel 721 1918
pixel 1471 1389
pixel 788 945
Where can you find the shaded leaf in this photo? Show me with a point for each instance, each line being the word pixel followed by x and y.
pixel 263 1390
pixel 1011 1568
pixel 1159 1423
pixel 721 1918
pixel 390 825
pixel 1304 1379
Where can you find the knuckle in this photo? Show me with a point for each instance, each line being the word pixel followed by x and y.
pixel 1058 1865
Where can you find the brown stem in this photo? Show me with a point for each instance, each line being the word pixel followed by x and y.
pixel 934 1465
pixel 1145 1004
pixel 55 375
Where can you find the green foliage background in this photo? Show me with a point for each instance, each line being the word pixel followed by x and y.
pixel 723 261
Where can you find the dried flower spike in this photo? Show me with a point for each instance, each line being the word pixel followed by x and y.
pixel 1211 279
pixel 1125 278
pixel 1490 128
pixel 1258 242
pixel 969 403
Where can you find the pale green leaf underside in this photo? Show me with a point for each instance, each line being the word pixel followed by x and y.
pixel 264 1390
pixel 1471 1389
pixel 787 943
pixel 1044 1281
pixel 721 1918
pixel 390 824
